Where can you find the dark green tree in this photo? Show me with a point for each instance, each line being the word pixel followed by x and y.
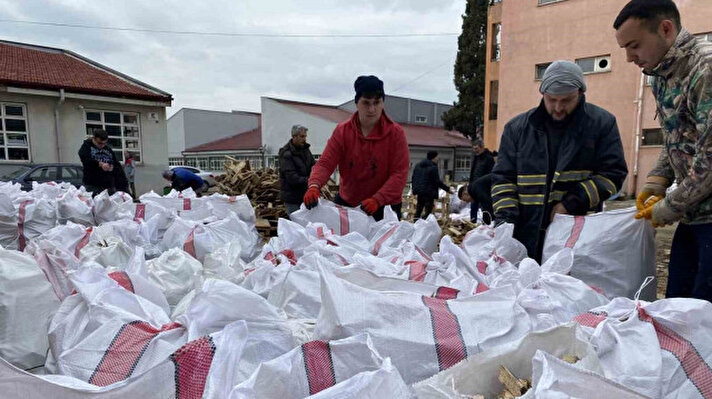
pixel 467 115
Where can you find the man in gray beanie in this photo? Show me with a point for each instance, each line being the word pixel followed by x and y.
pixel 564 156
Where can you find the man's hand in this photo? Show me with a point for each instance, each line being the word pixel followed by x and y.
pixel 558 208
pixel 658 213
pixel 106 167
pixel 311 197
pixel 452 190
pixel 370 206
pixel 655 186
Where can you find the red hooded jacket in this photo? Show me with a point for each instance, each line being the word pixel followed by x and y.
pixel 373 166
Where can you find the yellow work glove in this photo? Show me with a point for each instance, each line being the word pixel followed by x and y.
pixel 659 213
pixel 654 186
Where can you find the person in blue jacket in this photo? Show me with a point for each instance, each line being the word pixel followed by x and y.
pixel 181 179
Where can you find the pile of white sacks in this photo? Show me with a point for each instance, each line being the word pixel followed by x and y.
pixel 175 297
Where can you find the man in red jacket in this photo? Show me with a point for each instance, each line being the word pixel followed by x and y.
pixel 371 152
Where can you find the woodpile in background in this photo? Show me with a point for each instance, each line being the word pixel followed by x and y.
pixel 262 188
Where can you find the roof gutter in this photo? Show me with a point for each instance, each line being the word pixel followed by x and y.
pixel 88 97
pixel 59 103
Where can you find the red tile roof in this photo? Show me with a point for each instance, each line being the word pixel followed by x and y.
pixel 249 140
pixel 28 66
pixel 417 135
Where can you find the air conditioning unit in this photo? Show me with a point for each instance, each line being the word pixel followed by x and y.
pixel 602 64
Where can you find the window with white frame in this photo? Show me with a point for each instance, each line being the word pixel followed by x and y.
pixel 217 163
pixel 421 119
pixel 14 136
pixel 496 42
pixel 539 70
pixel 598 64
pixel 462 163
pixel 123 129
pixel 175 161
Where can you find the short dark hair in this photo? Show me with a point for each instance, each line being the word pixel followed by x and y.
pixel 100 134
pixel 652 12
pixel 478 143
pixel 432 154
pixel 460 191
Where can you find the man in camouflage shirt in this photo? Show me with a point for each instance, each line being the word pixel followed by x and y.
pixel 651 33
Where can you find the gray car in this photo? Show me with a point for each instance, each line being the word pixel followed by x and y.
pixel 44 173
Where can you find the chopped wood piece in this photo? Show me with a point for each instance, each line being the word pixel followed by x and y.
pixel 512 384
pixel 570 358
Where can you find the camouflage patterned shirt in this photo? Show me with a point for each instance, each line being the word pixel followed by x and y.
pixel 682 87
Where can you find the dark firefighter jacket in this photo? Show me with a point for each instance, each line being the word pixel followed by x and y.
pixel 590 168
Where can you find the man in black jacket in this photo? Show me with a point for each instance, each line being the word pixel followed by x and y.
pixel 480 182
pixel 295 164
pixel 425 183
pixel 565 156
pixel 102 170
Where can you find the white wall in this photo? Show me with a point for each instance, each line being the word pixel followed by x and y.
pixel 277 122
pixel 176 134
pixel 72 132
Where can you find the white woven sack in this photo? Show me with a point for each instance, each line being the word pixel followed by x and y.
pixel 422 335
pixel 310 369
pixel 478 374
pixel 27 304
pixel 341 219
pixel 613 251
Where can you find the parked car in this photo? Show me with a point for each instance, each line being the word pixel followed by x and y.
pixel 208 177
pixel 46 172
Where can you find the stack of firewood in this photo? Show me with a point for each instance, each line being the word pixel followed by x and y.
pixel 456 229
pixel 262 188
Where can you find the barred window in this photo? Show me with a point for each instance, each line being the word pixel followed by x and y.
pixel 462 163
pixel 14 135
pixel 123 129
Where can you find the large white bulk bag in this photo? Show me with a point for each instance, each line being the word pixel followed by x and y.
pixel 422 335
pixel 341 219
pixel 27 303
pixel 310 369
pixel 612 250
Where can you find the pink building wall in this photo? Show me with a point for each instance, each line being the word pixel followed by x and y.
pixel 572 29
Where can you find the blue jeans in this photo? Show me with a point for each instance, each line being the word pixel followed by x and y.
pixel 690 267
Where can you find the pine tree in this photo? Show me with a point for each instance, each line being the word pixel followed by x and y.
pixel 467 115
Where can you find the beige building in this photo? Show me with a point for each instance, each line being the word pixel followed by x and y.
pixel 52 99
pixel 525 36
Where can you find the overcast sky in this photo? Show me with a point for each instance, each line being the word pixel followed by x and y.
pixel 232 72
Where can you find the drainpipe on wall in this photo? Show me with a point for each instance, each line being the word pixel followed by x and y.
pixel 59 103
pixel 638 131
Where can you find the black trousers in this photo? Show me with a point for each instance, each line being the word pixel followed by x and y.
pixel 423 204
pixel 481 192
pixel 379 213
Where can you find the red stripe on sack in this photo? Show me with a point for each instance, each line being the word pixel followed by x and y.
pixel 320 232
pixel 186 204
pixel 189 245
pixel 446 293
pixel 481 288
pixel 597 289
pixel 270 257
pixel 695 367
pixel 423 254
pixel 481 266
pixel 140 212
pixel 123 279
pixel 318 366
pixel 22 241
pixel 248 271
pixel 84 200
pixel 124 352
pixel 417 270
pixel 291 256
pixel 449 344
pixel 83 242
pixel 590 319
pixel 575 231
pixel 343 260
pixel 344 220
pixel 394 260
pixel 192 364
pixel 377 246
